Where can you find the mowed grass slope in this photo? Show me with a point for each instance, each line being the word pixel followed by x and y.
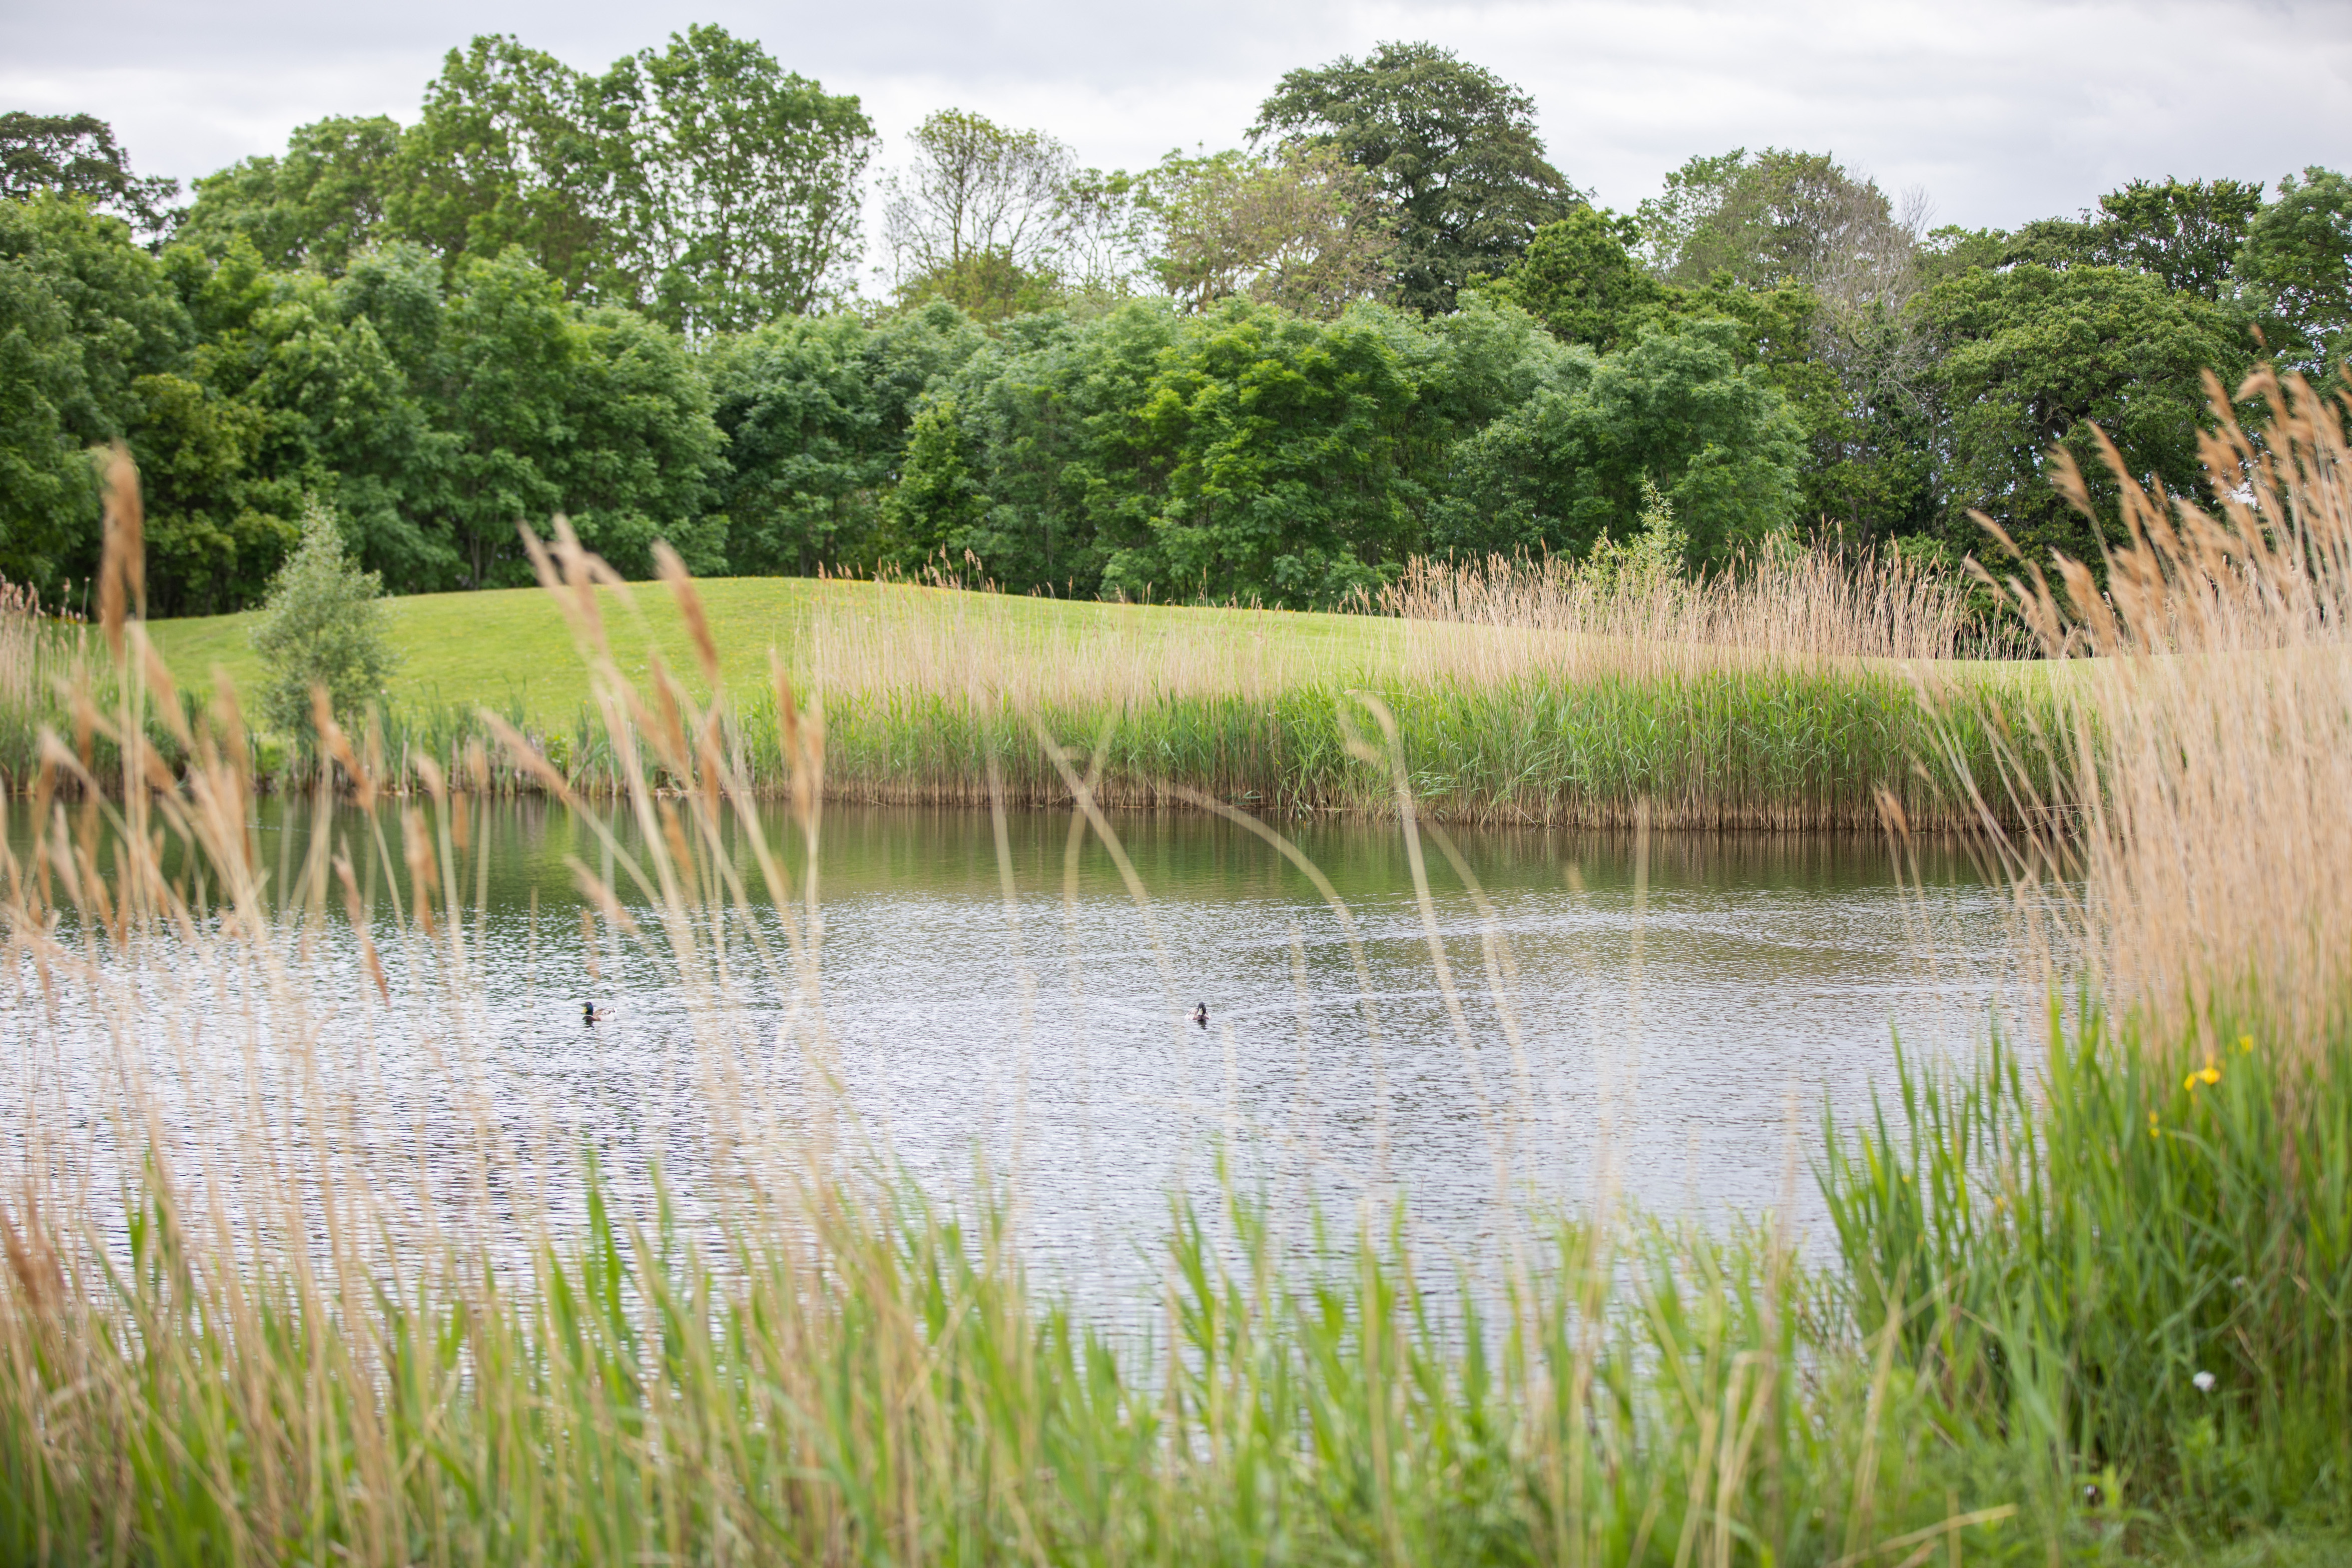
pixel 508 647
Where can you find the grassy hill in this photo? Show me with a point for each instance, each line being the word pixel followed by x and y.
pixel 1791 701
pixel 511 646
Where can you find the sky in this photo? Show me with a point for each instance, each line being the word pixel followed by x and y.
pixel 1999 110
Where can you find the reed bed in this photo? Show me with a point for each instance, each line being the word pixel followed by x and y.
pixel 2147 1233
pixel 1784 696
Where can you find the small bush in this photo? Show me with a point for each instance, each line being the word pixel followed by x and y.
pixel 321 626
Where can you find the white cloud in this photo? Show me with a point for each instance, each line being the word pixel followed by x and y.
pixel 2002 111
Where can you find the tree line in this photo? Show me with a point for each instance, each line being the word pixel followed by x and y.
pixel 1383 324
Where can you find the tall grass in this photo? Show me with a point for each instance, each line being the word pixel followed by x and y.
pixel 1785 696
pixel 2149 1239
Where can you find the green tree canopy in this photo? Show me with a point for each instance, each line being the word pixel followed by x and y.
pixel 318 205
pixel 2298 264
pixel 816 410
pixel 511 149
pixel 2032 358
pixel 1676 410
pixel 85 315
pixel 737 181
pixel 1300 227
pixel 1450 143
pixel 1242 452
pixel 546 408
pixel 77 155
pixel 1579 277
pixel 2187 233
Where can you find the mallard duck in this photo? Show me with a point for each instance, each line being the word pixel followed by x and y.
pixel 1201 1014
pixel 591 1013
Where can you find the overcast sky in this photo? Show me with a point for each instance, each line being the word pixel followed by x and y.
pixel 2000 111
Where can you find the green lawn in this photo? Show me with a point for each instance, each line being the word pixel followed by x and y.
pixel 472 649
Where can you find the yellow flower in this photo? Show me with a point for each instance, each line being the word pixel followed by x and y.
pixel 2189 1083
pixel 2211 1074
pixel 2246 1044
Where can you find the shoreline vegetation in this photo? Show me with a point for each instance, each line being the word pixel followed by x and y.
pixel 2090 1299
pixel 1806 692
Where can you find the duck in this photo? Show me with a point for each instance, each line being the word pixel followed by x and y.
pixel 591 1013
pixel 1201 1014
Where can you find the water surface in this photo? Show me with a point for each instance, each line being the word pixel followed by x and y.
pixel 1666 1018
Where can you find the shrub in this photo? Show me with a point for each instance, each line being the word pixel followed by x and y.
pixel 322 626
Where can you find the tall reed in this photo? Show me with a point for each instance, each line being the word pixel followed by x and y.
pixel 1787 696
pixel 2149 1239
pixel 1782 696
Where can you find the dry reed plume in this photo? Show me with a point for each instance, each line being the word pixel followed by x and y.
pixel 1780 697
pixel 2208 761
pixel 1482 623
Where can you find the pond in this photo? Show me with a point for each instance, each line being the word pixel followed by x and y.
pixel 1664 1016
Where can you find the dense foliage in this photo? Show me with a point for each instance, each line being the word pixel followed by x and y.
pixel 1389 327
pixel 321 629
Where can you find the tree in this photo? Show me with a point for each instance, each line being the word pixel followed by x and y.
pixel 1574 463
pixel 76 155
pixel 2298 264
pixel 215 521
pixel 738 182
pixel 2186 233
pixel 1692 194
pixel 1278 444
pixel 1819 267
pixel 317 206
pixel 974 191
pixel 1302 229
pixel 816 411
pixel 2031 358
pixel 511 149
pixel 84 315
pixel 293 392
pixel 1450 143
pixel 322 626
pixel 541 406
pixel 1579 277
pixel 1778 218
pixel 644 461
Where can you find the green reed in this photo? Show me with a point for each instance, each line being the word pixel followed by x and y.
pixel 2141 1252
pixel 1782 749
pixel 881 1384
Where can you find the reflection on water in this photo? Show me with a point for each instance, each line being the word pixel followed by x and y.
pixel 1669 1018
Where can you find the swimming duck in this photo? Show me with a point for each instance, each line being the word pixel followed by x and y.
pixel 591 1013
pixel 1201 1014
